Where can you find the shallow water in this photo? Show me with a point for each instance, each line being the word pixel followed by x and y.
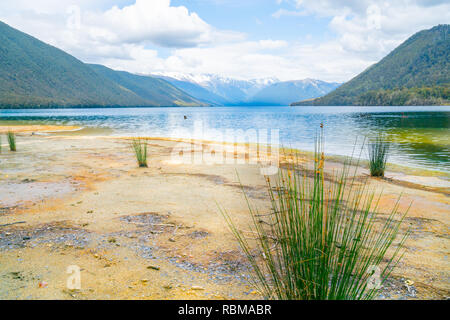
pixel 420 135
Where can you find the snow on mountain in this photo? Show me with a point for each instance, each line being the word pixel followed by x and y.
pixel 220 90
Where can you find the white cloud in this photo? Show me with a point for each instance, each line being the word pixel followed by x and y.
pixel 251 59
pixel 273 44
pixel 154 22
pixel 376 27
pixel 149 21
pixel 283 12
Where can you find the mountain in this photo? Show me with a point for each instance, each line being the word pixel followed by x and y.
pixel 237 92
pixel 35 74
pixel 197 91
pixel 415 73
pixel 283 93
pixel 217 89
pixel 267 91
pixel 156 92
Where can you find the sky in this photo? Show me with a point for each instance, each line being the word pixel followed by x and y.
pixel 330 40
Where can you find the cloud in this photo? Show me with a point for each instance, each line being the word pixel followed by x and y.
pixel 283 12
pixel 376 27
pixel 250 60
pixel 273 44
pixel 149 21
pixel 154 22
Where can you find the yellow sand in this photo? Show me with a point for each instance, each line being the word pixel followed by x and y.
pixel 37 128
pixel 108 190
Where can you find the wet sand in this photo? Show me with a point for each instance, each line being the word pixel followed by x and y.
pixel 157 232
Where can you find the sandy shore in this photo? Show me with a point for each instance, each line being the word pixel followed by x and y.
pixel 38 128
pixel 157 233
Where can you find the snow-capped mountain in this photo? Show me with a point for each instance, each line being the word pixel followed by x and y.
pixel 235 91
pixel 283 93
pixel 219 90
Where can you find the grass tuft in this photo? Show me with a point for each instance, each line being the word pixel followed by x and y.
pixel 378 155
pixel 323 239
pixel 11 141
pixel 140 150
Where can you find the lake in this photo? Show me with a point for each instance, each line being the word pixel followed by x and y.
pixel 420 135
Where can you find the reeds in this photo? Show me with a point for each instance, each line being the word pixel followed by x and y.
pixel 378 155
pixel 140 150
pixel 323 239
pixel 11 140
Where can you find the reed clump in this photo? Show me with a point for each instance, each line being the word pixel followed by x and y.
pixel 11 140
pixel 323 239
pixel 378 155
pixel 140 151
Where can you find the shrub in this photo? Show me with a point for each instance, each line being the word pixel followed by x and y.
pixel 323 239
pixel 378 155
pixel 140 150
pixel 11 141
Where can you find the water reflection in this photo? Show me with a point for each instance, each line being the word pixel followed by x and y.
pixel 419 136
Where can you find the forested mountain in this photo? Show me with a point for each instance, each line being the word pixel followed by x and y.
pixel 35 74
pixel 415 73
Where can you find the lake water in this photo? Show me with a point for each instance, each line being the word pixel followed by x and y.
pixel 420 136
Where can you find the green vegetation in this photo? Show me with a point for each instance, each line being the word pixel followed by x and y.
pixel 36 75
pixel 425 96
pixel 11 141
pixel 140 150
pixel 378 154
pixel 323 239
pixel 415 73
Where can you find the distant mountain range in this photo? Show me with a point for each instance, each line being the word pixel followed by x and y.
pixel 219 90
pixel 34 74
pixel 415 73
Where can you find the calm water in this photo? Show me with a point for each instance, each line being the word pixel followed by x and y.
pixel 420 135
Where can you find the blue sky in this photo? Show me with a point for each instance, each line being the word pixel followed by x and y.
pixel 331 40
pixel 255 17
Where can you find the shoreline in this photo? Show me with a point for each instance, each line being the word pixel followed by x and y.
pixel 400 168
pixel 39 128
pixel 392 167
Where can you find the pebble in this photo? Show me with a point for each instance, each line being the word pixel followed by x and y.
pixel 409 282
